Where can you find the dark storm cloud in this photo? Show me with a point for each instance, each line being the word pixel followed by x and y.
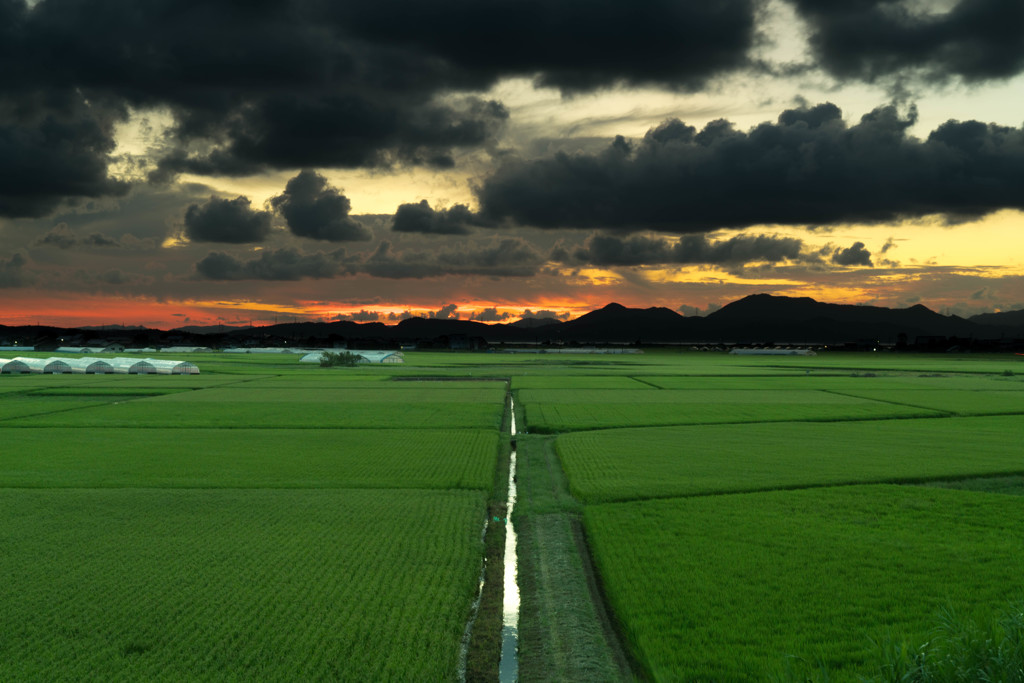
pixel 262 85
pixel 809 167
pixel 510 257
pixel 314 209
pixel 250 86
pixel 226 220
pixel 280 264
pixel 854 255
pixel 570 44
pixel 334 130
pixel 53 146
pixel 421 218
pixel 254 86
pixel 976 40
pixel 606 250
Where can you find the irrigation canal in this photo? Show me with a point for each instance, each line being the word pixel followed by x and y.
pixel 508 671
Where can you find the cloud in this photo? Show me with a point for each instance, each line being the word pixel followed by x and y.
pixel 543 314
pixel 280 264
pixel 96 239
pixel 250 87
pixel 114 277
pixel 573 46
pixel 490 315
pixel 509 257
pixel 362 316
pixel 226 220
pixel 421 218
pixel 808 168
pixel 446 312
pixel 976 40
pixel 331 130
pixel 696 311
pixel 854 255
pixel 259 86
pixel 607 250
pixel 54 146
pixel 13 273
pixel 314 209
pixel 984 294
pixel 63 237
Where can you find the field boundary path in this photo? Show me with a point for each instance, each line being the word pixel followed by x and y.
pixel 566 632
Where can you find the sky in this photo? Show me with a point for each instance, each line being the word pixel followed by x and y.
pixel 170 163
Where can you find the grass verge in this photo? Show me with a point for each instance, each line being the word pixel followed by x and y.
pixel 565 633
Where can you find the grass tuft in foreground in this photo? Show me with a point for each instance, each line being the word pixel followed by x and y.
pixel 959 649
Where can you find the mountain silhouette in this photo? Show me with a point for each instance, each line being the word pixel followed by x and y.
pixel 755 319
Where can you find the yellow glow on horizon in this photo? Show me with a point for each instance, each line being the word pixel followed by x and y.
pixel 596 277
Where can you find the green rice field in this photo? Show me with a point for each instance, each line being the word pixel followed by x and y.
pixel 556 411
pixel 725 588
pixel 683 516
pixel 630 464
pixel 243 525
pixel 256 584
pixel 249 458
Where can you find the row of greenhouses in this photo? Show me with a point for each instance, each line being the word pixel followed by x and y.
pixel 96 366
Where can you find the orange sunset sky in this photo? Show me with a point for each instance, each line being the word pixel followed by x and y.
pixel 168 165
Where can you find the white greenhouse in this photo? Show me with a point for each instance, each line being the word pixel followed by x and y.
pixel 96 366
pixel 89 366
pixel 367 357
pixel 9 366
pixel 46 366
pixel 132 366
pixel 172 367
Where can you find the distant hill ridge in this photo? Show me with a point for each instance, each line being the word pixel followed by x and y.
pixel 758 318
